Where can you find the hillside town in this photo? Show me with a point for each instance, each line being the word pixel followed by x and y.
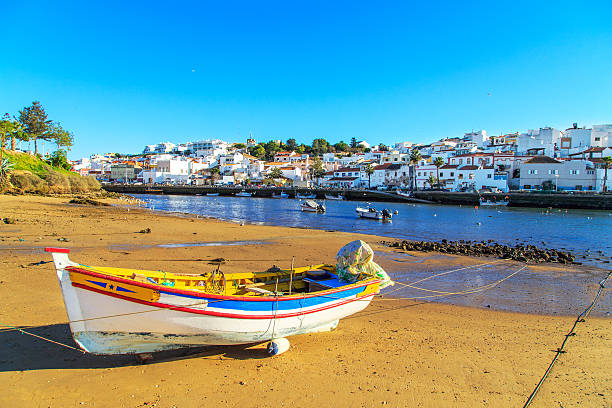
pixel 574 159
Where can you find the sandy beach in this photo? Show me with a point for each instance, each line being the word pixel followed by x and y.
pixel 396 353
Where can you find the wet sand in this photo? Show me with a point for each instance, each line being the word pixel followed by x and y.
pixel 395 353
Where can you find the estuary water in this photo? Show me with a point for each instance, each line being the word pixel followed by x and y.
pixel 586 233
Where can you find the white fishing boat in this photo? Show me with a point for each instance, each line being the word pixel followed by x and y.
pixel 493 202
pixel 332 197
pixel 244 194
pixel 118 311
pixel 306 196
pixel 312 206
pixel 404 193
pixel 372 213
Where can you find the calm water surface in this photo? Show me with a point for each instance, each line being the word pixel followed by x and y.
pixel 586 233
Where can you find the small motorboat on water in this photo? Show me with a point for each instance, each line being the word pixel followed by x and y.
pixel 281 195
pixel 212 194
pixel 404 193
pixel 493 202
pixel 122 311
pixel 332 197
pixel 306 196
pixel 244 194
pixel 312 206
pixel 373 213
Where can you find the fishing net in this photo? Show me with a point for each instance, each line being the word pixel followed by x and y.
pixel 354 259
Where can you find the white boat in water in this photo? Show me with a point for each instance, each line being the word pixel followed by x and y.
pixel 485 202
pixel 306 196
pixel 244 194
pixel 122 311
pixel 373 213
pixel 404 194
pixel 312 206
pixel 331 197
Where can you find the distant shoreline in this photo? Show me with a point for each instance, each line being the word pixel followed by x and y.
pixel 585 201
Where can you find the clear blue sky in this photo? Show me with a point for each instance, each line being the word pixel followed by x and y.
pixel 124 74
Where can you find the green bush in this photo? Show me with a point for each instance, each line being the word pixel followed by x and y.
pixel 30 174
pixel 24 181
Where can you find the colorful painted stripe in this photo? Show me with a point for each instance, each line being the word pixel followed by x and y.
pixel 236 315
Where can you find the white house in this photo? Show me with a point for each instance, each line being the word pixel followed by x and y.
pixel 601 136
pixel 543 141
pixel 479 137
pixel 543 172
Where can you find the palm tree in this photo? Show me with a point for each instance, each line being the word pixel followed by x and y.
pixel 369 170
pixel 438 162
pixel 415 157
pixel 607 162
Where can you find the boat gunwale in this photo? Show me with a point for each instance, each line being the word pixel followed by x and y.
pixel 198 294
pixel 300 312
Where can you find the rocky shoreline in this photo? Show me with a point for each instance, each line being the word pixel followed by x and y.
pixel 520 252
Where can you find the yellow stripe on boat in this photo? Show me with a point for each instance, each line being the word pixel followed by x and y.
pixel 112 287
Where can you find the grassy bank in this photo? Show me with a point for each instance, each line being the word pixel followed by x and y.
pixel 30 174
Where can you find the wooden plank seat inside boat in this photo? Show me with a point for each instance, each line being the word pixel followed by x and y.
pixel 330 282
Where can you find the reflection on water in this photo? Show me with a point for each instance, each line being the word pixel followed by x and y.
pixel 587 233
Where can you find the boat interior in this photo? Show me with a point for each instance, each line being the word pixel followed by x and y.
pixel 272 282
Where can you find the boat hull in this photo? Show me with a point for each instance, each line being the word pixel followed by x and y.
pixel 113 316
pixel 330 197
pixel 494 203
pixel 363 213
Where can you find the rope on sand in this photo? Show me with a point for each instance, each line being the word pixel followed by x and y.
pixel 581 318
pixel 42 338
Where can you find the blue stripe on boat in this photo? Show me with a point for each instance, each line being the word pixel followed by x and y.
pixel 271 305
pixel 102 284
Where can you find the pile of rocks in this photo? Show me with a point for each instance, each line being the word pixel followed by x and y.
pixel 520 252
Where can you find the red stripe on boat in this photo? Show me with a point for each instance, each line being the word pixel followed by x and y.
pixel 220 314
pixel 60 250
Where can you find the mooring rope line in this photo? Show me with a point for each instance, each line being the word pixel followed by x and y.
pixel 466 291
pixel 581 318
pixel 43 338
pixel 441 274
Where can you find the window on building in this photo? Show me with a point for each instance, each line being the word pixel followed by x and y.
pixel 597 139
pixel 471 176
pixel 441 174
pixel 489 175
pixel 553 171
pixel 574 172
pixel 452 174
pixel 590 171
pixel 533 171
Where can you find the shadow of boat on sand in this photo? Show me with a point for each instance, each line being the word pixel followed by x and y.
pixel 22 352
